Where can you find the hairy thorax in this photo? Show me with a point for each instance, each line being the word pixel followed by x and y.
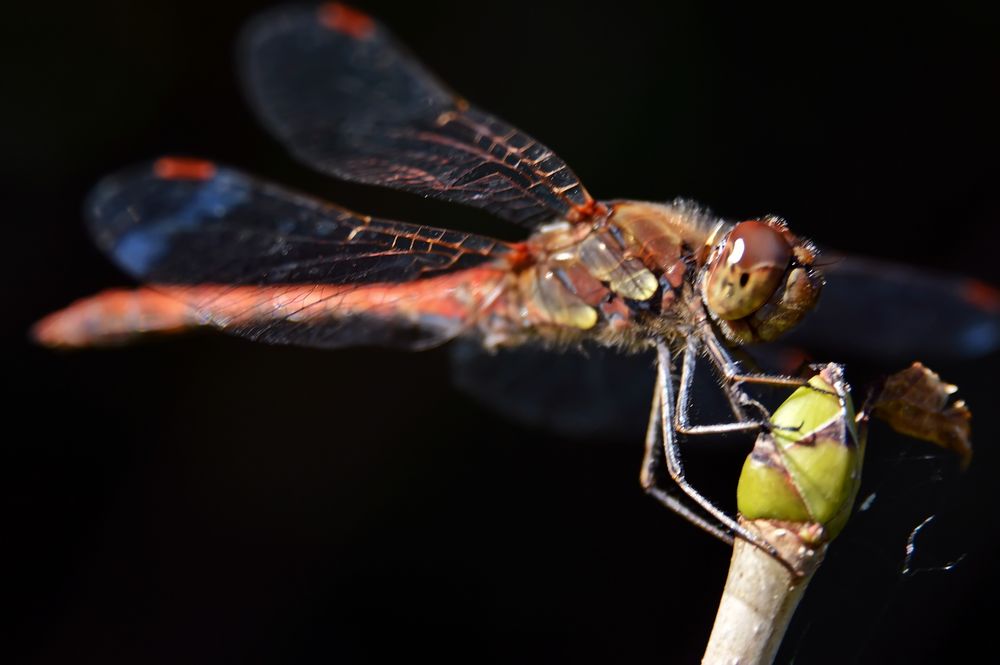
pixel 621 280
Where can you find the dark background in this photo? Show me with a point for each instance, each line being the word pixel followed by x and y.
pixel 212 500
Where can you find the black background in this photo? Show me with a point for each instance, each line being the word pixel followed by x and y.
pixel 211 500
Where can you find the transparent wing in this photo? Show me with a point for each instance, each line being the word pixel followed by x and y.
pixel 599 394
pixel 337 89
pixel 895 314
pixel 258 260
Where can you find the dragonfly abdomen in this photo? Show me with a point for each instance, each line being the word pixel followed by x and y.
pixel 412 314
pixel 113 316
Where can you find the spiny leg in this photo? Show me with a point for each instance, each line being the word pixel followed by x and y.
pixel 730 369
pixel 733 378
pixel 671 453
pixel 736 401
pixel 650 470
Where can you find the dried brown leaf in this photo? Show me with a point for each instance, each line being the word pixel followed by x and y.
pixel 915 402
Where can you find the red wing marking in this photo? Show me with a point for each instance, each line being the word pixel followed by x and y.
pixel 346 20
pixel 981 295
pixel 183 168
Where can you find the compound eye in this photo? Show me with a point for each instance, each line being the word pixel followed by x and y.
pixel 748 270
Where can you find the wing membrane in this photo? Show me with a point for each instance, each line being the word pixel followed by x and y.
pixel 258 260
pixel 897 313
pixel 335 87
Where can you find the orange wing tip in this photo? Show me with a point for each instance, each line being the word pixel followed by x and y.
pixel 346 20
pixel 183 168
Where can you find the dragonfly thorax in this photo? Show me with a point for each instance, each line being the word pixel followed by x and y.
pixel 615 279
pixel 647 269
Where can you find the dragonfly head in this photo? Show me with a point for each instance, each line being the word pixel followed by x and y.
pixel 760 280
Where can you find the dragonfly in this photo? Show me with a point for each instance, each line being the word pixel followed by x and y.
pixel 216 247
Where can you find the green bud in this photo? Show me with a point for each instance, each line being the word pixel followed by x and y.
pixel 807 470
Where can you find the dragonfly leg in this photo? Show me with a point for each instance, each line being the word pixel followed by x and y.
pixel 651 468
pixel 733 375
pixel 671 452
pixel 736 399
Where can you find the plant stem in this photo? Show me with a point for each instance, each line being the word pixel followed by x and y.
pixel 760 597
